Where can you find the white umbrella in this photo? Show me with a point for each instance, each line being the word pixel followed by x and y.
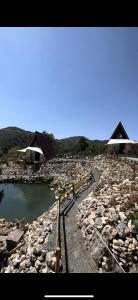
pixel 120 141
pixel 36 149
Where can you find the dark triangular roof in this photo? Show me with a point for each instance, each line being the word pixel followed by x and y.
pixel 45 143
pixel 119 129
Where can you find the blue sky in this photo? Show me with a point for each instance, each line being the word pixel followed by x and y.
pixel 69 81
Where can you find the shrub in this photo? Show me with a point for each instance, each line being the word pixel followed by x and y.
pixel 133 216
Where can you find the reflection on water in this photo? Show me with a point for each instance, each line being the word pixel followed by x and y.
pixel 25 200
pixel 1 195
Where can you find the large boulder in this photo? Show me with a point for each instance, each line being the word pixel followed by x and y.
pixel 98 249
pixel 13 238
pixel 51 259
pixel 121 227
pixel 109 232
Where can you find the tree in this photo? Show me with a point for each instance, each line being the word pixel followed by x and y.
pixel 82 144
pixel 49 135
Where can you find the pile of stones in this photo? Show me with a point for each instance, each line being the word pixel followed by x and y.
pixel 33 256
pixel 51 171
pixel 108 217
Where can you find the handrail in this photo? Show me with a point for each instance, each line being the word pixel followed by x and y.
pixel 58 248
pixel 101 238
pixel 73 190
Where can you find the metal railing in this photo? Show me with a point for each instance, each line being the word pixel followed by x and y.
pixel 73 190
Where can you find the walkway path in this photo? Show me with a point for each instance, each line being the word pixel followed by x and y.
pixel 130 158
pixel 75 256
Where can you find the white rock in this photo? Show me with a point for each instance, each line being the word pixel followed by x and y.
pixel 51 259
pixel 8 269
pixel 93 215
pixel 105 220
pixel 121 243
pixel 117 248
pixel 23 257
pixel 105 258
pixel 44 270
pixel 37 264
pixel 16 262
pixel 29 250
pixel 122 216
pixel 135 243
pixel 122 255
pixel 109 232
pixel 129 225
pixel 41 240
pixel 23 265
pixel 116 242
pixel 126 243
pixel 135 258
pixel 131 247
pixel 123 260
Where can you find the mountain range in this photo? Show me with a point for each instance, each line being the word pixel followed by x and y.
pixel 16 137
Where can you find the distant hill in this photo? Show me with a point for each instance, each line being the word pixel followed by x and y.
pixel 69 144
pixel 16 137
pixel 99 141
pixel 72 141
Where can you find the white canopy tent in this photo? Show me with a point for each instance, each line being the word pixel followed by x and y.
pixel 120 141
pixel 36 149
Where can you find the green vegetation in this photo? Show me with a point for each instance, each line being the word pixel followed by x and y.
pixel 13 138
pixel 133 216
pixel 12 154
pixel 82 145
pixel 79 146
pixel 49 135
pixel 50 179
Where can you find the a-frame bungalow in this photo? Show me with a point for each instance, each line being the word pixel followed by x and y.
pixel 125 147
pixel 40 149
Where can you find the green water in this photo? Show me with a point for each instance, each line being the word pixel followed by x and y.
pixel 25 200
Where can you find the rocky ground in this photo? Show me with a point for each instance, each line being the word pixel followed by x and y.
pixel 33 255
pixel 110 214
pixel 51 171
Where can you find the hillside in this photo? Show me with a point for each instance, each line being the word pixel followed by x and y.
pixel 12 137
pixel 70 145
pixel 71 141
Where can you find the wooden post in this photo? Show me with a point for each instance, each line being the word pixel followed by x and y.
pixel 58 250
pixel 134 169
pixel 73 191
pixel 58 256
pixel 58 223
